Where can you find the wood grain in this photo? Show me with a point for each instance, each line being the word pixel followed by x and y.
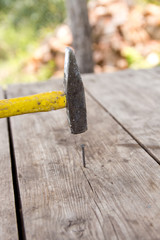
pixel 115 197
pixel 8 226
pixel 132 97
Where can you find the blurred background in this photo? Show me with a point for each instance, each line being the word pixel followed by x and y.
pixel 34 34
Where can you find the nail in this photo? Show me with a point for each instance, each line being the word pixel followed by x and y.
pixel 83 155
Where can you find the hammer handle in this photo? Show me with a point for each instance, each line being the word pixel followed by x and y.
pixel 36 103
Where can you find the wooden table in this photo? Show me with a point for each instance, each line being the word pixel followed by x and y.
pixel 117 196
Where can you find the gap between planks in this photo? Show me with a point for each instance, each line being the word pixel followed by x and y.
pixel 131 97
pixel 17 198
pixel 125 129
pixel 8 223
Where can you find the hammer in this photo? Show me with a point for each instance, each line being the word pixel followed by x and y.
pixel 73 98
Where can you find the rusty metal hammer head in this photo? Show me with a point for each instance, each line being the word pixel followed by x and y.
pixel 74 90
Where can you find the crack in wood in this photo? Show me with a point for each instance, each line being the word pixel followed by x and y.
pixel 95 203
pixel 113 227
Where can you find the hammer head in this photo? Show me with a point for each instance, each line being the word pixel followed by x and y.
pixel 74 90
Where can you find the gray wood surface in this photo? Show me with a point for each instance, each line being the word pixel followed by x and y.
pixel 132 97
pixel 8 226
pixel 115 197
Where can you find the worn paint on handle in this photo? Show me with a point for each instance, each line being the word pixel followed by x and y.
pixel 36 103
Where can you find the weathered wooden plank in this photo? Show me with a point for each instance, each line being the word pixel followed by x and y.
pixel 132 97
pixel 56 200
pixel 115 197
pixel 8 226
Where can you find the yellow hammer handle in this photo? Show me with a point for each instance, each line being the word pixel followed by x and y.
pixel 36 103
